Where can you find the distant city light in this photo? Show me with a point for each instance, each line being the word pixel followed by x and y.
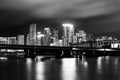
pixel 67 25
pixel 46 28
pixel 38 32
pixel 40 35
pixel 69 37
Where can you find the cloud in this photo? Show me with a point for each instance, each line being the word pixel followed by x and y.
pixel 15 12
pixel 61 8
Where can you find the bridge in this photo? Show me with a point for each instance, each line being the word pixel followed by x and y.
pixel 60 51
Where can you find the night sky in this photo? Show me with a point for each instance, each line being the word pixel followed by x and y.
pixel 93 16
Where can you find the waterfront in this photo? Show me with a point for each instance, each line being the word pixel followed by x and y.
pixel 95 68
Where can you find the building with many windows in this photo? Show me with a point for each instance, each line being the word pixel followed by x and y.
pixel 68 33
pixel 32 34
pixel 20 40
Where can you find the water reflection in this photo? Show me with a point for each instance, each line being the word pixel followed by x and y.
pixel 68 69
pixel 99 63
pixel 39 70
pixel 98 68
pixel 29 68
pixel 84 62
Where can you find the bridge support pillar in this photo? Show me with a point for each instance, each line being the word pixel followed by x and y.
pixel 30 53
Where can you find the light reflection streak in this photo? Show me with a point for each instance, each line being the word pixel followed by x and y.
pixel 116 63
pixel 84 62
pixel 40 71
pixel 3 58
pixel 68 69
pixel 29 68
pixel 107 58
pixel 29 61
pixel 99 63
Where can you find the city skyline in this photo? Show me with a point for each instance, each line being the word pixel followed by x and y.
pixel 51 37
pixel 59 39
pixel 13 31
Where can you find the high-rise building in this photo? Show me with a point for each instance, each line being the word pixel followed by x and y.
pixel 68 34
pixel 20 39
pixel 55 36
pixel 81 36
pixel 28 39
pixel 33 34
pixel 47 36
pixel 40 37
pixel 75 40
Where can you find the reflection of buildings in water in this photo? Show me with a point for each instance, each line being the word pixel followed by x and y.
pixel 116 66
pixel 69 69
pixel 116 61
pixel 83 67
pixel 103 62
pixel 85 64
pixel 99 64
pixel 82 61
pixel 107 58
pixel 29 68
pixel 39 70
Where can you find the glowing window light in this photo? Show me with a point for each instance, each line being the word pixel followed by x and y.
pixel 67 25
pixel 3 58
pixel 40 35
pixel 115 45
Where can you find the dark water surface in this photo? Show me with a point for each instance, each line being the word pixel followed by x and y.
pixel 99 68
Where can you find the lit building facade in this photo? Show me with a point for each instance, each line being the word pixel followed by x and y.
pixel 40 38
pixel 55 36
pixel 81 36
pixel 12 40
pixel 20 40
pixel 68 34
pixel 32 34
pixel 47 36
pixel 28 39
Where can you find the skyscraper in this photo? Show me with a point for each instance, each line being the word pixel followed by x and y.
pixel 40 37
pixel 68 34
pixel 81 36
pixel 47 36
pixel 20 39
pixel 28 39
pixel 55 36
pixel 32 34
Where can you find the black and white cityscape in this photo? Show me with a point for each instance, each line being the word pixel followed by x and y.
pixel 59 40
pixel 48 37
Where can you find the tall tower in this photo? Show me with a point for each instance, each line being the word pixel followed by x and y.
pixel 40 37
pixel 47 36
pixel 32 34
pixel 55 36
pixel 28 39
pixel 68 34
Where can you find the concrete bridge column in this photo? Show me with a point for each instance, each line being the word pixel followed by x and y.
pixel 30 53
